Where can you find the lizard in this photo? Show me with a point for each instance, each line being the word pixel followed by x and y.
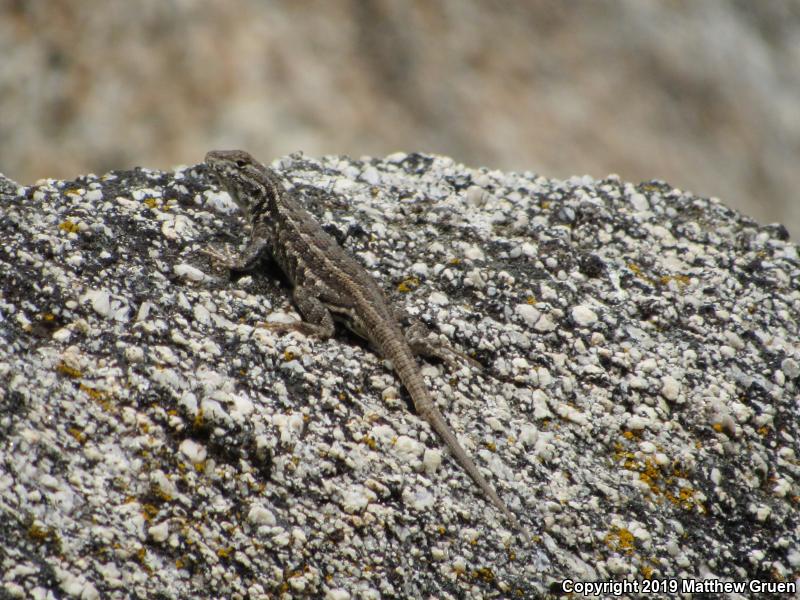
pixel 328 285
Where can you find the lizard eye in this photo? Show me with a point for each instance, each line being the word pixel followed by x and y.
pixel 241 163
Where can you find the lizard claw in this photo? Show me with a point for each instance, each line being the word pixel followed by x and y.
pixel 223 258
pixel 306 329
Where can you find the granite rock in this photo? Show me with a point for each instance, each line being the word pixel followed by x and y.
pixel 637 409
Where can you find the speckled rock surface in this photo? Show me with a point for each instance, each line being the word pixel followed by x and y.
pixel 638 406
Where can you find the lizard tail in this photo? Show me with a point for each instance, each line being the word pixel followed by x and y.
pixel 428 411
pixel 436 420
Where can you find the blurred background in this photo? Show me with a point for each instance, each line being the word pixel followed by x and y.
pixel 704 94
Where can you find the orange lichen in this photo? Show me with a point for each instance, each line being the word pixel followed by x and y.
pixel 663 483
pixel 620 539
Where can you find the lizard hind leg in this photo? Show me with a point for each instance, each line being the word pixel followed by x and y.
pixel 316 318
pixel 424 342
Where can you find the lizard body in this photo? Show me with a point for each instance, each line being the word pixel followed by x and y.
pixel 329 284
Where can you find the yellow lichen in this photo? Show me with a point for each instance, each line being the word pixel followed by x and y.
pixel 634 268
pixel 39 533
pixel 408 284
pixel 93 393
pixel 484 574
pixel 199 420
pixel 79 436
pixel 67 370
pixel 682 279
pixel 149 511
pixel 68 226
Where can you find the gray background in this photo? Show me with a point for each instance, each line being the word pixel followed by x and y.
pixel 702 94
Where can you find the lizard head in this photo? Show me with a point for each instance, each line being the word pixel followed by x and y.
pixel 245 179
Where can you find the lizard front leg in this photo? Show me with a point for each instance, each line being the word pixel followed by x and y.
pixel 257 248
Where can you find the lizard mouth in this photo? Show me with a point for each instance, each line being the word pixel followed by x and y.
pixel 205 169
pixel 210 174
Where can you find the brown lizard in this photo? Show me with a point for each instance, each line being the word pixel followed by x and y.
pixel 329 284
